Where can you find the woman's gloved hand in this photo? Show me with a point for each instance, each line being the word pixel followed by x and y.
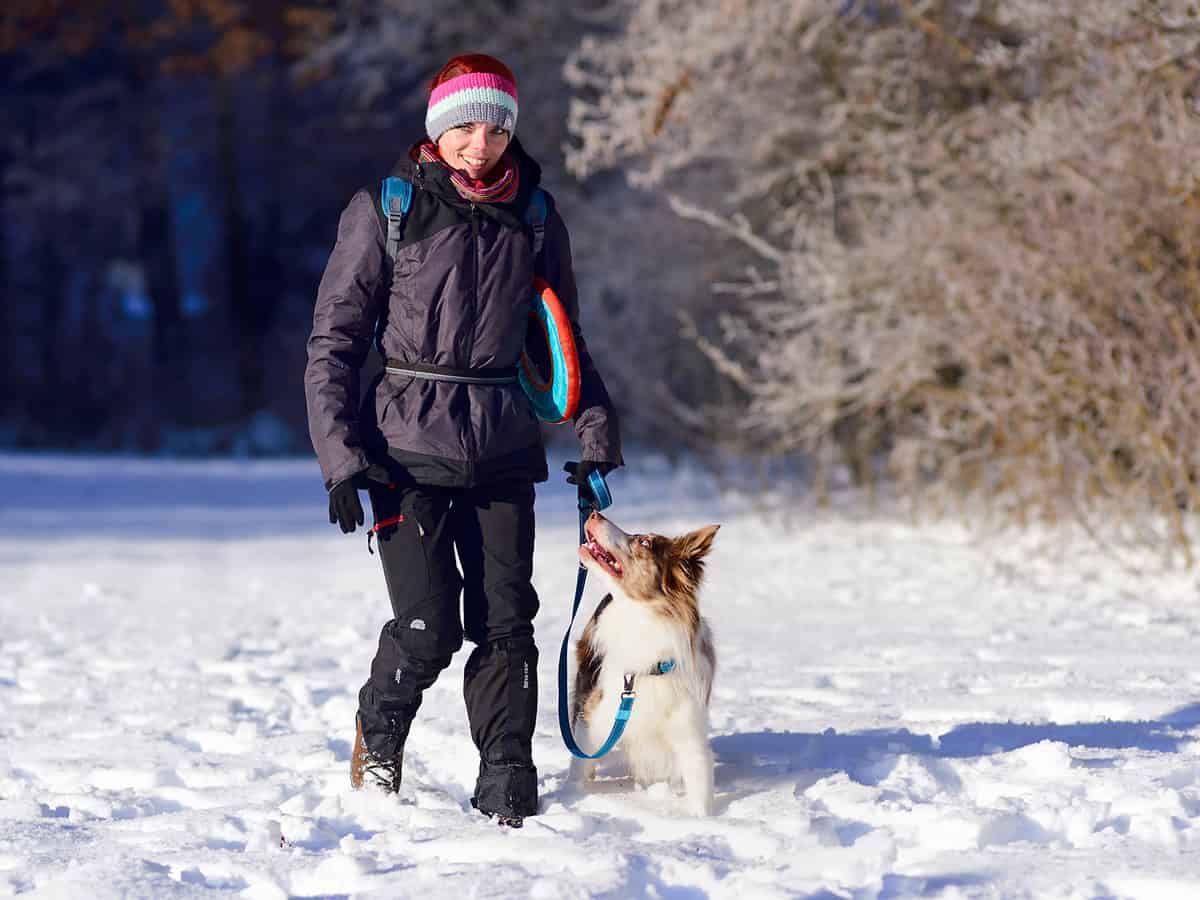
pixel 578 472
pixel 344 507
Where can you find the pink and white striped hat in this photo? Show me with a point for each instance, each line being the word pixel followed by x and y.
pixel 472 88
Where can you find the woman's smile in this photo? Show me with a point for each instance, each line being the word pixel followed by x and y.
pixel 474 147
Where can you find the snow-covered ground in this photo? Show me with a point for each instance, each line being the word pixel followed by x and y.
pixel 898 711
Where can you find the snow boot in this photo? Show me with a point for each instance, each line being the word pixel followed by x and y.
pixel 506 792
pixel 366 767
pixel 503 821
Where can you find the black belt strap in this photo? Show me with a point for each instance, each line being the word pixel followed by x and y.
pixel 498 375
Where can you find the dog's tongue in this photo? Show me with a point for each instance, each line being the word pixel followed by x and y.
pixel 601 554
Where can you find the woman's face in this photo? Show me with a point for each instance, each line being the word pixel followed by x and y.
pixel 473 148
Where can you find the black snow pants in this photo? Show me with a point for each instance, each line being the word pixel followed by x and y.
pixel 491 528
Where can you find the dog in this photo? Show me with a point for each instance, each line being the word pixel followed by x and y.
pixel 649 626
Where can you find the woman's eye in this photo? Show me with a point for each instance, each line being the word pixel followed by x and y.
pixel 499 132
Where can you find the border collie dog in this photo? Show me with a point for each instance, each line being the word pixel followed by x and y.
pixel 649 627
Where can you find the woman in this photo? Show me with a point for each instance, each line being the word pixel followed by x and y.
pixel 446 442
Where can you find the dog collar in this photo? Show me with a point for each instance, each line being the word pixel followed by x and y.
pixel 662 667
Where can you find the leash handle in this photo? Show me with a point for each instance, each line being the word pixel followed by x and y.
pixel 599 489
pixel 593 495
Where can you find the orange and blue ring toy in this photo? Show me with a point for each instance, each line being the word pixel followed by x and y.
pixel 556 398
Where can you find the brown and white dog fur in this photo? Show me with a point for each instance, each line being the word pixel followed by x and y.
pixel 651 615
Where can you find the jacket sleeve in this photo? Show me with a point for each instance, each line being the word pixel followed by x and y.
pixel 348 304
pixel 595 420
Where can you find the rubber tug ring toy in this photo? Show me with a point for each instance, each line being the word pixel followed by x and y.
pixel 554 399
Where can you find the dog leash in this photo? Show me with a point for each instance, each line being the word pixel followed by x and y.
pixel 596 497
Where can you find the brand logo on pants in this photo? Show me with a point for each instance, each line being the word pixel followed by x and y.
pixel 525 675
pixel 417 625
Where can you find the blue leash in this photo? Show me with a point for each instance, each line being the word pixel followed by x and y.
pixel 600 499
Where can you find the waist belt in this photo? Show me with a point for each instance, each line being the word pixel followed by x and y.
pixel 499 375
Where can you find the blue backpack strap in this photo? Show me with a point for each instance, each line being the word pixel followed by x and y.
pixel 396 201
pixel 535 217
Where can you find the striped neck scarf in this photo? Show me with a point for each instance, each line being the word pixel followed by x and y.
pixel 500 186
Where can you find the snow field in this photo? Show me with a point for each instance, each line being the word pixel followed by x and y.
pixel 897 711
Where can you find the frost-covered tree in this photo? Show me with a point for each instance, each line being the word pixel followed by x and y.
pixel 977 226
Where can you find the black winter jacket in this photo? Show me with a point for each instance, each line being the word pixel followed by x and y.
pixel 459 295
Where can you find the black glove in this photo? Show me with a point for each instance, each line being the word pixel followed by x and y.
pixel 578 472
pixel 344 508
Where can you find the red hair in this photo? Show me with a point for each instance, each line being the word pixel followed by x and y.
pixel 470 64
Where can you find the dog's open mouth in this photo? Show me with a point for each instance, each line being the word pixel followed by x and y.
pixel 607 561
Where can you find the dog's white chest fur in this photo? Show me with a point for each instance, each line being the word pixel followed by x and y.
pixel 666 737
pixel 630 638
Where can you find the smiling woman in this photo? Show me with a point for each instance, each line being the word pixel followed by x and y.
pixel 447 443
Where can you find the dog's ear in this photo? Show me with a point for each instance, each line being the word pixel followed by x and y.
pixel 686 569
pixel 695 545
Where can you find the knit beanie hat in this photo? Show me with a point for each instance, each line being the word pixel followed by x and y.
pixel 473 87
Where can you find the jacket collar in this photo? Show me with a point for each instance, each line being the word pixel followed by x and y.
pixel 433 178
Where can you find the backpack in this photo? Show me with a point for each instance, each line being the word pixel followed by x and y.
pixel 396 199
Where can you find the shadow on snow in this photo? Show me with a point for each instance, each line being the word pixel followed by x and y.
pixel 868 756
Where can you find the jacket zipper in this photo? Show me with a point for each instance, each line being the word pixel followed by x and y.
pixel 475 310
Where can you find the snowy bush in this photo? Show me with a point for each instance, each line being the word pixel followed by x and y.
pixel 977 224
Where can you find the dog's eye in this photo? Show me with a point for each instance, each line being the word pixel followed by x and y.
pixel 644 541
